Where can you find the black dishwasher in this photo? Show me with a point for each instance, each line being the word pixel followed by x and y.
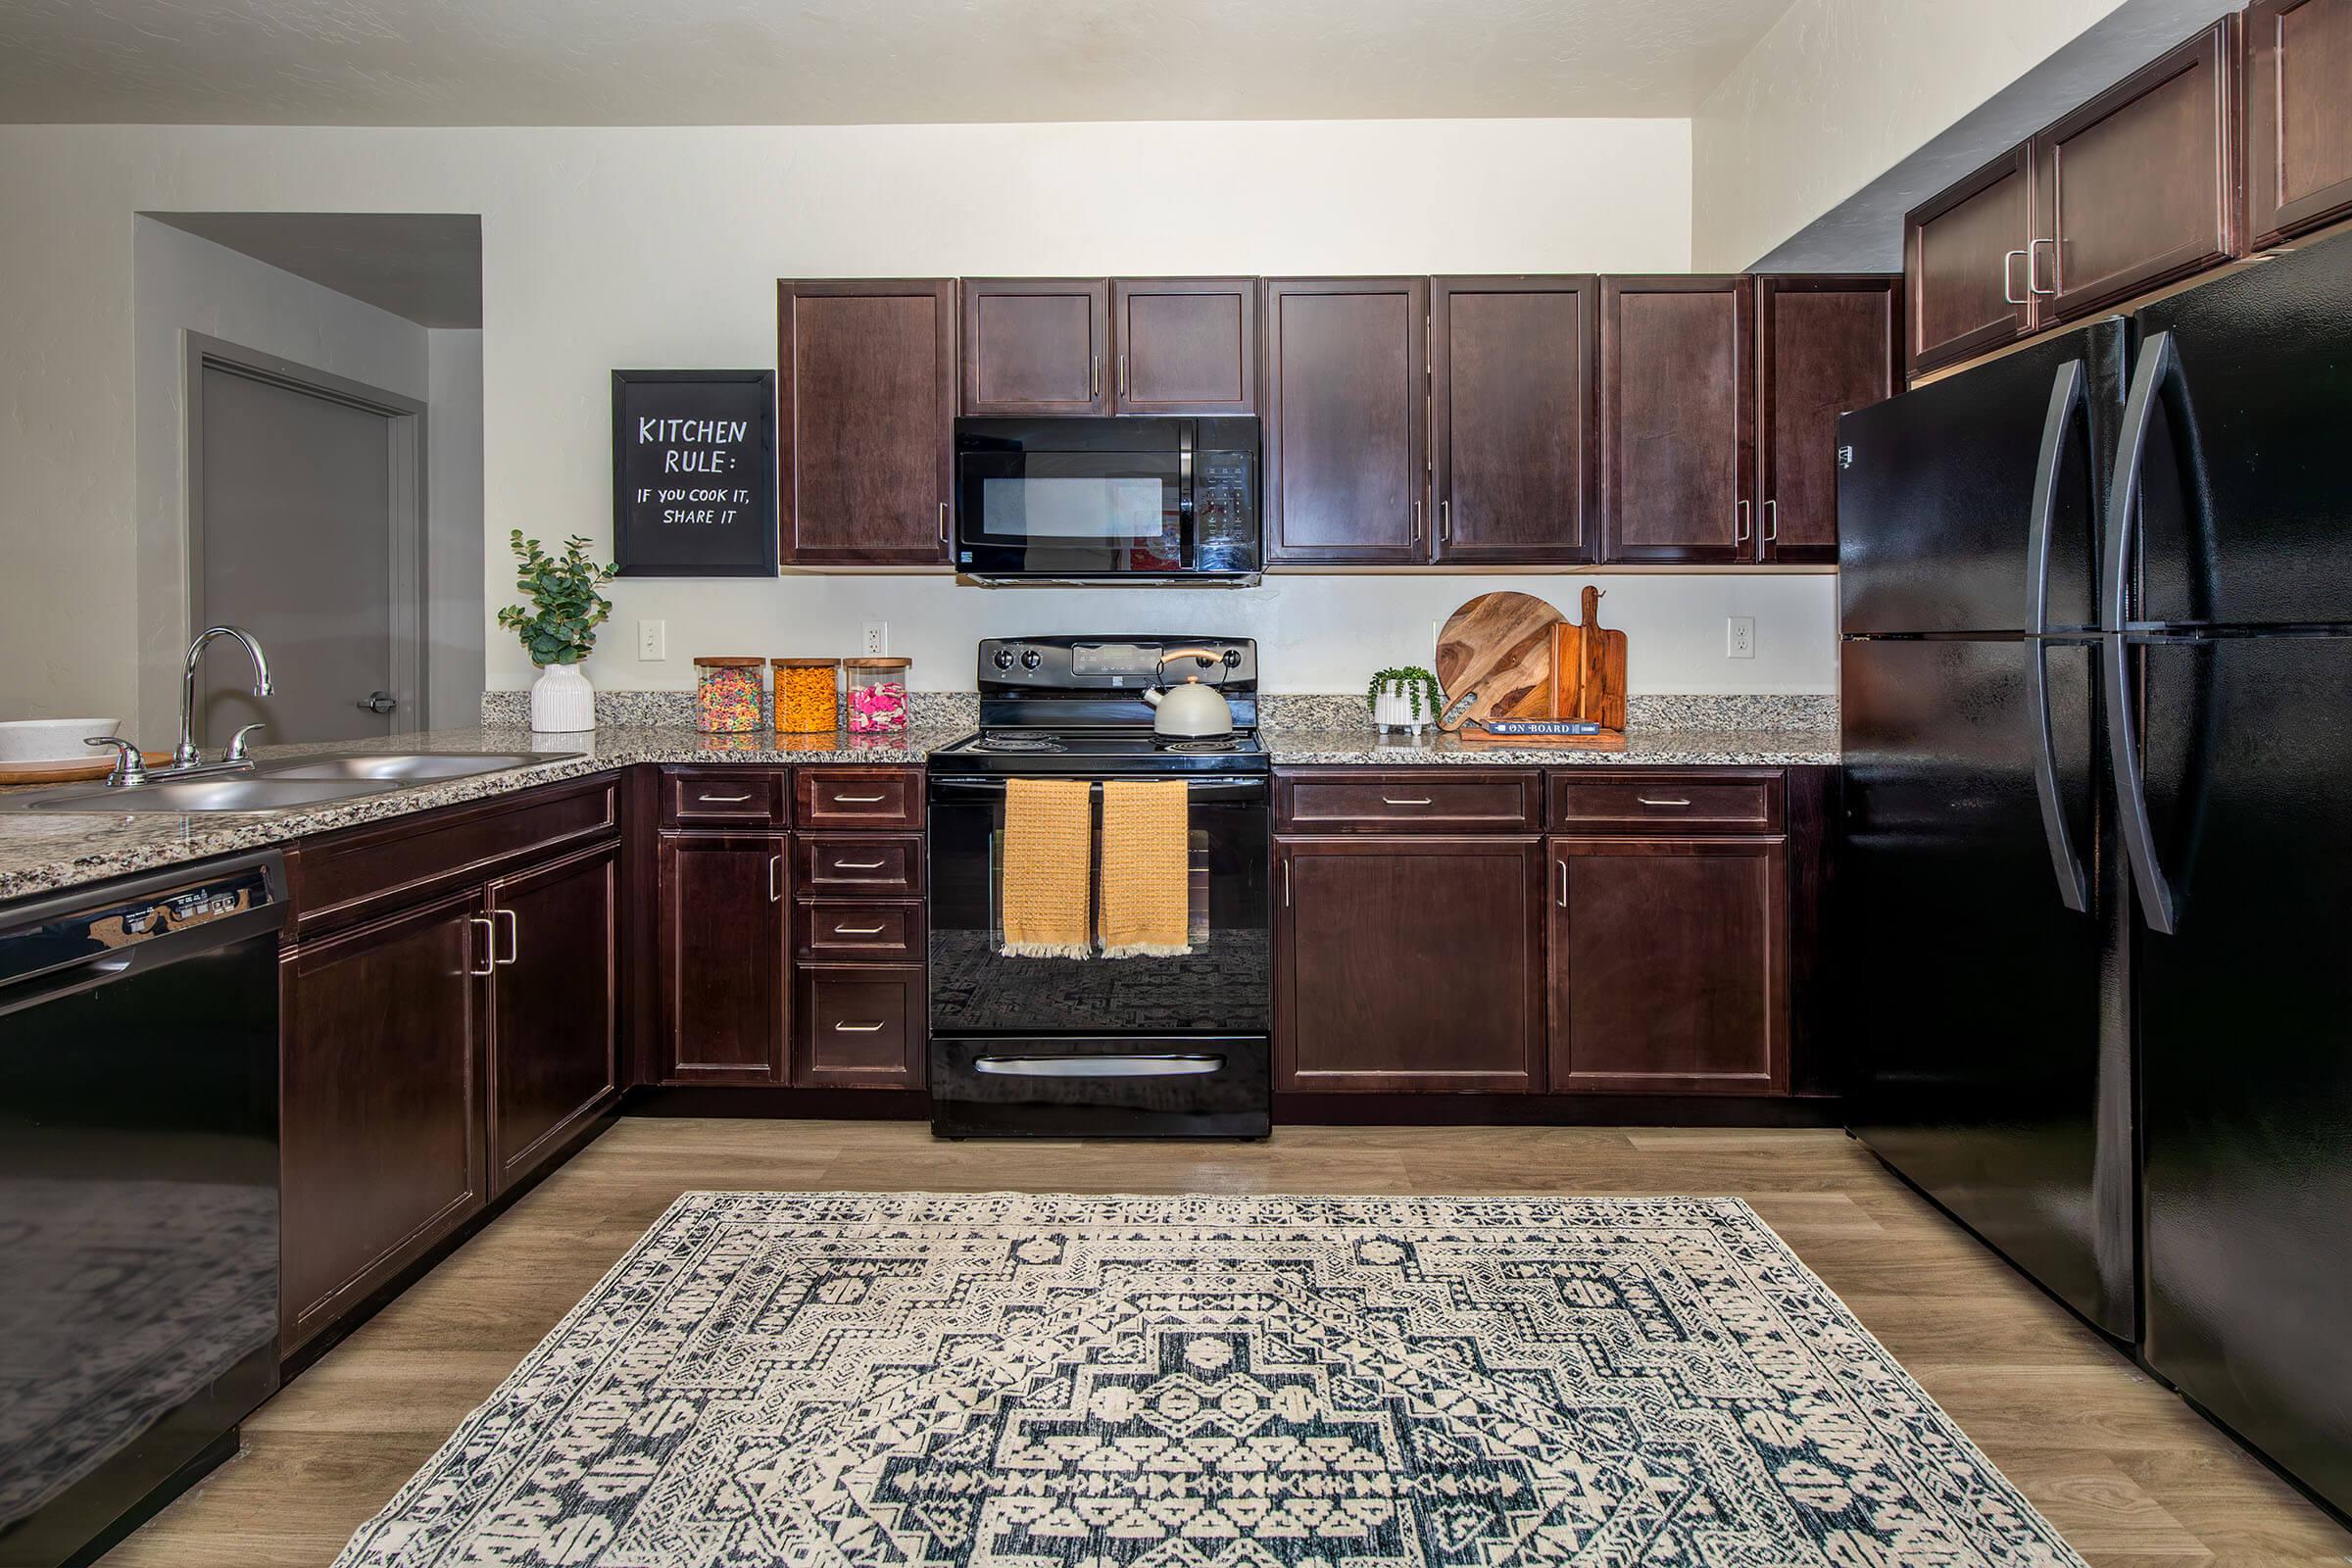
pixel 138 1194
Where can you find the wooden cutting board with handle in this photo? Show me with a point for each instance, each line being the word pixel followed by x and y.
pixel 1500 647
pixel 1588 668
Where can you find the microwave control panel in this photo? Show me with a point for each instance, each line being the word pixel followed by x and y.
pixel 1225 512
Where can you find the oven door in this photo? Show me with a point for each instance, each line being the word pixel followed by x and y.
pixel 1222 986
pixel 1073 513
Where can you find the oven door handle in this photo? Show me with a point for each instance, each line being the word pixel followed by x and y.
pixel 1184 1065
pixel 1223 788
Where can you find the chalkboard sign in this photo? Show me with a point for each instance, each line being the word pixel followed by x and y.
pixel 694 474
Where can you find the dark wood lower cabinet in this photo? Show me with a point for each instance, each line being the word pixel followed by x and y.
pixel 1408 962
pixel 1669 963
pixel 725 938
pixel 861 1026
pixel 555 1015
pixel 381 1147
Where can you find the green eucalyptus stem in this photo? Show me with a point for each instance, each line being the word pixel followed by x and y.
pixel 560 629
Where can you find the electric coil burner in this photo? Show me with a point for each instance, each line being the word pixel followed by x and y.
pixel 1153 1047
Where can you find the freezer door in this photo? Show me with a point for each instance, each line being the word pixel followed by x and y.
pixel 2245 1027
pixel 1937 491
pixel 1984 1013
pixel 2244 498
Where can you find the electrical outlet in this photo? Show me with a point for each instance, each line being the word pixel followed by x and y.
pixel 653 639
pixel 1739 637
pixel 877 638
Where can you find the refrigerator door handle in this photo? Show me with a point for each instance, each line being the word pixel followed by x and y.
pixel 2159 364
pixel 2066 404
pixel 2074 888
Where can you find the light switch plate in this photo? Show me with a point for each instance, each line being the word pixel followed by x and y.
pixel 653 639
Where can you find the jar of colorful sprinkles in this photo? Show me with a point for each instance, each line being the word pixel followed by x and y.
pixel 878 695
pixel 726 695
pixel 807 695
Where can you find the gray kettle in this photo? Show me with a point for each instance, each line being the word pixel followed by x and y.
pixel 1192 711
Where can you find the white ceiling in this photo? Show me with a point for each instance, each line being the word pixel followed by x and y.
pixel 858 62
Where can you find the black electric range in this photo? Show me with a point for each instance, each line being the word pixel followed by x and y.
pixel 1178 1046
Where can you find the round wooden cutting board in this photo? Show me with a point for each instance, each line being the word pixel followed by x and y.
pixel 1499 646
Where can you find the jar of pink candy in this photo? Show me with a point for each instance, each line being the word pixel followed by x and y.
pixel 878 695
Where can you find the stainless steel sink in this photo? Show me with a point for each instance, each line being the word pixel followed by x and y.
pixel 408 767
pixel 280 785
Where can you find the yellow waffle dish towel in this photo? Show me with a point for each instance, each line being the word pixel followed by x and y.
pixel 1147 904
pixel 1048 834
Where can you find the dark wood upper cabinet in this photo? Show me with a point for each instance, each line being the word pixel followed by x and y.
pixel 1345 399
pixel 1669 961
pixel 1515 364
pixel 1676 418
pixel 725 910
pixel 2298 117
pixel 1036 345
pixel 554 1014
pixel 865 426
pixel 1184 345
pixel 2140 185
pixel 1826 345
pixel 1964 262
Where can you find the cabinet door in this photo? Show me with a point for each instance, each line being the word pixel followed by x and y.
pixel 380 1146
pixel 863 1026
pixel 865 431
pixel 2298 117
pixel 2140 185
pixel 1513 362
pixel 1408 963
pixel 1676 413
pixel 553 1012
pixel 1036 345
pixel 1826 345
pixel 1669 965
pixel 1347 421
pixel 724 933
pixel 1964 263
pixel 1185 345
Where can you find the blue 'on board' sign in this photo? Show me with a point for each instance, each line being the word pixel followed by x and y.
pixel 694 474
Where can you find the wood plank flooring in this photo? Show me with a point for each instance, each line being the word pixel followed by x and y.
pixel 2128 1472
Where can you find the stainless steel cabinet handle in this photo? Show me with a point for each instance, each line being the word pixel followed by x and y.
pixel 1771 520
pixel 857 930
pixel 1670 800
pixel 776 868
pixel 1416 523
pixel 1093 376
pixel 2009 292
pixel 857 866
pixel 1446 519
pixel 2033 265
pixel 1563 884
pixel 1122 376
pixel 847 1028
pixel 514 936
pixel 1740 523
pixel 1285 881
pixel 1410 799
pixel 720 799
pixel 859 800
pixel 489 950
pixel 942 522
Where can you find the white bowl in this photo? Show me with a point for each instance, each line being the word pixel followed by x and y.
pixel 53 740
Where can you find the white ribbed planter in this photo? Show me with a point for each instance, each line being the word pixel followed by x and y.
pixel 1393 708
pixel 562 700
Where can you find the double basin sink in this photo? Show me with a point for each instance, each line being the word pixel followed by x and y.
pixel 280 785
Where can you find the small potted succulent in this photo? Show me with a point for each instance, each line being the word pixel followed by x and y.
pixel 560 627
pixel 1403 698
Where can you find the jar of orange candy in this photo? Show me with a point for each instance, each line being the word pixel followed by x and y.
pixel 726 696
pixel 808 694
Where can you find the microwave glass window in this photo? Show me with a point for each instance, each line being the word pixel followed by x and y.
pixel 1097 509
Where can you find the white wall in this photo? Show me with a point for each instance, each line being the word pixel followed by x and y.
pixel 453 547
pixel 1838 92
pixel 645 248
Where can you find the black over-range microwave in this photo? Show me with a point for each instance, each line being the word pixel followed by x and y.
pixel 1108 501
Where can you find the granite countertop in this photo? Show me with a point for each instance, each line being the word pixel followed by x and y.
pixel 44 851
pixel 1646 746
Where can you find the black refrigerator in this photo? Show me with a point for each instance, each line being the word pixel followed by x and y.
pixel 2099 828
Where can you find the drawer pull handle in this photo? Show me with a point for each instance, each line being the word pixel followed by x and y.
pixel 1416 800
pixel 1156 1066
pixel 859 800
pixel 721 800
pixel 858 1028
pixel 857 866
pixel 857 930
pixel 1646 800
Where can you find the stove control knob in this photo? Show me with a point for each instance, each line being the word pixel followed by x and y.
pixel 1031 658
pixel 1003 658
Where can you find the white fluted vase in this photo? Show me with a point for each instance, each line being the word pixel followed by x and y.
pixel 562 700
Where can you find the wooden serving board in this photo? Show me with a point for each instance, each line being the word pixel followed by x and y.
pixel 1498 646
pixel 60 771
pixel 1588 668
pixel 1609 740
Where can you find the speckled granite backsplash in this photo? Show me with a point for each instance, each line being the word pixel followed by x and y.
pixel 1320 710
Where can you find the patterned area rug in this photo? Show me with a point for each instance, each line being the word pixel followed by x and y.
pixel 836 1378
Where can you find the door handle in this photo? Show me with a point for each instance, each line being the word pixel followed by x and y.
pixel 1122 376
pixel 1740 523
pixel 845 1027
pixel 513 937
pixel 2058 421
pixel 2033 265
pixel 489 949
pixel 1563 864
pixel 1445 520
pixel 2009 294
pixel 1285 881
pixel 1093 376
pixel 379 702
pixel 1772 521
pixel 775 890
pixel 1416 523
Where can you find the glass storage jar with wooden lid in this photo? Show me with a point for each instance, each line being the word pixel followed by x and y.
pixel 808 694
pixel 726 695
pixel 878 695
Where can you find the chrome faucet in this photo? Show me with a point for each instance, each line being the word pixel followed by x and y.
pixel 185 755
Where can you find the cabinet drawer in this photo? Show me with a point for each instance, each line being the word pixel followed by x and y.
pixel 860 931
pixel 852 866
pixel 1667 803
pixel 861 1027
pixel 859 797
pixel 753 797
pixel 1440 801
